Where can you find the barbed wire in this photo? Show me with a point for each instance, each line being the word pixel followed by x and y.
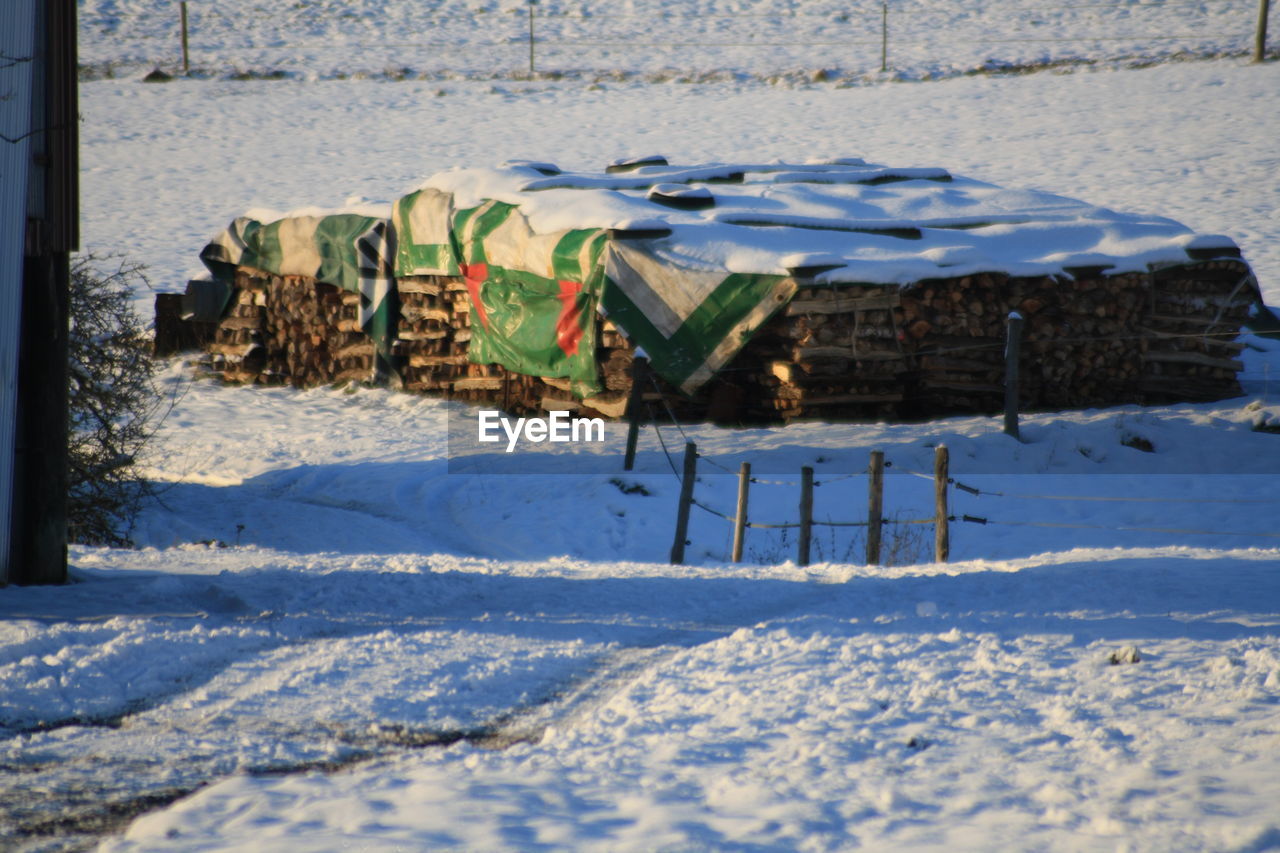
pixel 663 442
pixel 731 519
pixel 1123 528
pixel 1108 498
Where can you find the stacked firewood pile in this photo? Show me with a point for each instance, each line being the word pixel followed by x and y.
pixel 835 352
pixel 239 348
pixel 939 346
pixel 290 329
pixel 1081 340
pixel 831 352
pixel 433 332
pixel 1189 351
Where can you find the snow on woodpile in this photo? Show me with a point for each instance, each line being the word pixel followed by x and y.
pixel 838 289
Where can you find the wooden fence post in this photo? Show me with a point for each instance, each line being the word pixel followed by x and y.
pixel 884 35
pixel 875 506
pixel 532 3
pixel 806 514
pixel 186 55
pixel 639 373
pixel 1012 350
pixel 1260 38
pixel 686 501
pixel 740 518
pixel 941 477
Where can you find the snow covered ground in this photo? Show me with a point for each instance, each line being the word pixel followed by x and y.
pixel 651 39
pixel 331 639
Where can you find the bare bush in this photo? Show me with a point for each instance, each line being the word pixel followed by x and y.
pixel 115 404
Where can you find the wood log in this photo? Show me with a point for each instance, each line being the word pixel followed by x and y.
pixel 1195 358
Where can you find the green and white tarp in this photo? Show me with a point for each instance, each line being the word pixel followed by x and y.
pixel 351 251
pixel 535 295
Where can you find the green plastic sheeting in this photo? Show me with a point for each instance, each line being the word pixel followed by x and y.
pixel 350 251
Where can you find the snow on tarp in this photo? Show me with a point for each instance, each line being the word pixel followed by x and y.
pixel 690 276
pixel 689 261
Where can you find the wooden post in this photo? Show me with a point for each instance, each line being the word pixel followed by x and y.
pixel 941 477
pixel 686 501
pixel 740 518
pixel 532 3
pixel 806 514
pixel 884 35
pixel 186 55
pixel 639 372
pixel 1012 350
pixel 875 506
pixel 1260 39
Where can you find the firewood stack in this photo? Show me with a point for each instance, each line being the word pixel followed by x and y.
pixel 1189 351
pixel 1080 341
pixel 315 328
pixel 938 347
pixel 291 329
pixel 836 352
pixel 831 352
pixel 239 349
pixel 431 340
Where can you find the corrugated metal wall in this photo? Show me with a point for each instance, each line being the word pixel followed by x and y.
pixel 17 27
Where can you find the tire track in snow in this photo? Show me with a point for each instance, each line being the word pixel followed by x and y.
pixel 93 796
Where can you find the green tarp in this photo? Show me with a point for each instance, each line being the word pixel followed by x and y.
pixel 534 296
pixel 347 250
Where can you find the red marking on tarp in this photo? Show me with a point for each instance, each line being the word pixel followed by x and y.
pixel 569 326
pixel 475 274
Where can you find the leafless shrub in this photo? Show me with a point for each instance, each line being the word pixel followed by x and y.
pixel 115 404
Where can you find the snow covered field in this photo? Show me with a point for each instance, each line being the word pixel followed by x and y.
pixel 329 641
pixel 652 39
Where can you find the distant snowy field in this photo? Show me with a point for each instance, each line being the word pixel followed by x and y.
pixel 351 648
pixel 655 39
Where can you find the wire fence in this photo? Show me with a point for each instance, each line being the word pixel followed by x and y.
pixel 946 487
pixel 825 40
